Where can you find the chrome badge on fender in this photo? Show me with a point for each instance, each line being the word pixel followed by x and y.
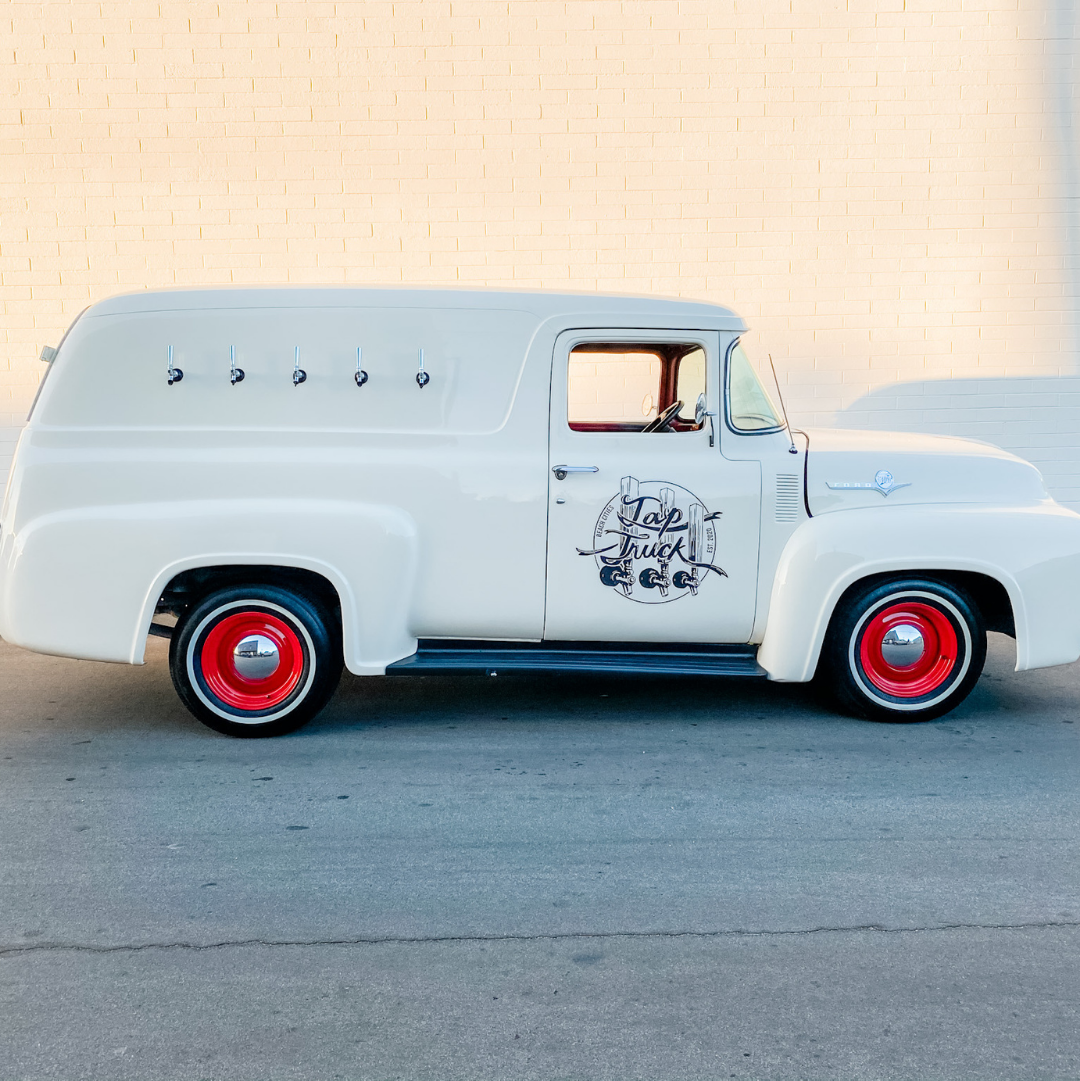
pixel 884 482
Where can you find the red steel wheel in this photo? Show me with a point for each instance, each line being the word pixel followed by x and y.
pixel 256 660
pixel 252 660
pixel 908 650
pixel 905 649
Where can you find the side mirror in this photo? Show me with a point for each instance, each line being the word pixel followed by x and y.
pixel 701 410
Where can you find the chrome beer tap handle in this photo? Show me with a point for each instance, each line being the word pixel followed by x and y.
pixel 236 375
pixel 361 376
pixel 298 373
pixel 422 377
pixel 175 374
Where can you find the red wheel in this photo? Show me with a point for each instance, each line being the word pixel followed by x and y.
pixel 255 661
pixel 905 650
pixel 252 660
pixel 909 649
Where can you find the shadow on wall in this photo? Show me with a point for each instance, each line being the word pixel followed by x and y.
pixel 1062 48
pixel 1037 418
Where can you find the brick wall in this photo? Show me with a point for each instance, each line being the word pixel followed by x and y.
pixel 887 189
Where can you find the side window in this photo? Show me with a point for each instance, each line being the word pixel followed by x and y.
pixel 636 387
pixel 690 388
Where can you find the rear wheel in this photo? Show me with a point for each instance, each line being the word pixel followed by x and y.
pixel 255 660
pixel 903 650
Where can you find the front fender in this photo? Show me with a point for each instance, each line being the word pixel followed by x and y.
pixel 1032 550
pixel 84 583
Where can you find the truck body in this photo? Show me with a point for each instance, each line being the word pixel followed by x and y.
pixel 462 478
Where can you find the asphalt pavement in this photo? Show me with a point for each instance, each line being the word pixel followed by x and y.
pixel 537 877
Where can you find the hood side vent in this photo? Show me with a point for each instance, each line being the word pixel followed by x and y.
pixel 788 497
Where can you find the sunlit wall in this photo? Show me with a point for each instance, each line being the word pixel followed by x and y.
pixel 887 189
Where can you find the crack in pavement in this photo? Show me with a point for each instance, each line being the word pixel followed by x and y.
pixel 403 940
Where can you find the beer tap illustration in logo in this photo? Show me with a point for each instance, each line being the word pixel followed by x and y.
pixel 654 542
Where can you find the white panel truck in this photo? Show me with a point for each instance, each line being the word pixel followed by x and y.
pixel 285 481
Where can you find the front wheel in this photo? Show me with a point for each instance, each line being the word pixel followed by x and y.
pixel 255 660
pixel 903 650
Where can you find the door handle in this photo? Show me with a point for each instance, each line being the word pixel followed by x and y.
pixel 561 471
pixel 711 418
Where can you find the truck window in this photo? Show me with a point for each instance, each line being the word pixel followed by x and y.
pixel 749 407
pixel 631 387
pixel 690 388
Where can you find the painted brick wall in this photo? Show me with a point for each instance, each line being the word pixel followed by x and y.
pixel 887 189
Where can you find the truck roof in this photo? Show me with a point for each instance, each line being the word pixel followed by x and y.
pixel 541 303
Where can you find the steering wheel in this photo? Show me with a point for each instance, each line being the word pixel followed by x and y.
pixel 662 422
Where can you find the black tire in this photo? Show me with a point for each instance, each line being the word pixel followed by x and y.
pixel 242 693
pixel 874 623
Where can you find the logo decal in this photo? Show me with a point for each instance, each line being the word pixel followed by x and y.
pixel 654 542
pixel 883 483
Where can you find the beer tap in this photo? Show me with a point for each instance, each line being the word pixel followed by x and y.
pixel 175 374
pixel 236 375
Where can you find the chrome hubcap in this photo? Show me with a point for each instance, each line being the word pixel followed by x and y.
pixel 902 645
pixel 256 657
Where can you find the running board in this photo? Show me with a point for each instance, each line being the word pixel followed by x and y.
pixel 443 655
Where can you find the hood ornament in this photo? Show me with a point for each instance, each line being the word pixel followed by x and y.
pixel 884 482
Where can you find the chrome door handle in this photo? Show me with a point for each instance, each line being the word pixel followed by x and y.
pixel 561 471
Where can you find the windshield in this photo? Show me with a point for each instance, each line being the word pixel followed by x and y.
pixel 750 409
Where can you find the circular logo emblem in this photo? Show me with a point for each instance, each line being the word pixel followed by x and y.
pixel 654 542
pixel 882 478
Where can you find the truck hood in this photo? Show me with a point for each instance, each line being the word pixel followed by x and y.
pixel 846 470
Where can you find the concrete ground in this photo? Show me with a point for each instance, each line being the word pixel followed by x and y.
pixel 537 878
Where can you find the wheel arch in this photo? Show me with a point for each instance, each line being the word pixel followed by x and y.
pixel 987 593
pixel 372 628
pixel 188 587
pixel 185 583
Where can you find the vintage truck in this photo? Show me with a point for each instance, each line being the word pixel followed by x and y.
pixel 406 481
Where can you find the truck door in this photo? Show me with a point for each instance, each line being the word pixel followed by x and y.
pixel 652 533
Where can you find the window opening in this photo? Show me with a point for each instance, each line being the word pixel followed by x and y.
pixel 636 387
pixel 750 409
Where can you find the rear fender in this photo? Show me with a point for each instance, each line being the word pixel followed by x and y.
pixel 84 583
